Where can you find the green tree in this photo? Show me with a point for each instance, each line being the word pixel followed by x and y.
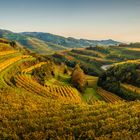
pixel 13 43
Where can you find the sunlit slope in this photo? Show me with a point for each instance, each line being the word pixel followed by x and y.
pixel 42 47
pixel 65 93
pixel 29 110
pixel 29 116
pixel 122 79
pixel 92 59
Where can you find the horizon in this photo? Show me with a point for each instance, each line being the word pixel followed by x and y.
pixel 63 35
pixel 88 19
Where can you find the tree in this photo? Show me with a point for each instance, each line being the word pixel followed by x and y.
pixel 64 68
pixel 1 35
pixel 44 73
pixel 13 43
pixel 78 78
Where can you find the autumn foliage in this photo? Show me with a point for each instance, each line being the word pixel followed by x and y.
pixel 78 78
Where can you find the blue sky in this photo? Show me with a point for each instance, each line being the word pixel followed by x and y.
pixel 92 19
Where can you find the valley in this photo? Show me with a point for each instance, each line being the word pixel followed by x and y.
pixel 70 70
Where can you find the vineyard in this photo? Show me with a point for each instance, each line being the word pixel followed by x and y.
pixel 7 52
pixel 11 61
pixel 30 110
pixel 33 67
pixel 131 88
pixel 66 93
pixel 108 96
pixel 40 118
pixel 128 62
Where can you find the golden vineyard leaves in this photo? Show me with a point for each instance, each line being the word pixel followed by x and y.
pixel 64 93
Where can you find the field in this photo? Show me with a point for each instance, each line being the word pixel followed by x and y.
pixel 108 96
pixel 131 88
pixel 57 110
pixel 91 59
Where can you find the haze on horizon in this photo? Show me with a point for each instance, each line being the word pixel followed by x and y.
pixel 91 19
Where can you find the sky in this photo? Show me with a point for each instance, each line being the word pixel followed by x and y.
pixel 90 19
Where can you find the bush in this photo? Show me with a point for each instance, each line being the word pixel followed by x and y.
pixel 78 78
pixel 43 73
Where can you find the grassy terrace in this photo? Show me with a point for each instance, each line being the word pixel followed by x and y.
pixel 8 72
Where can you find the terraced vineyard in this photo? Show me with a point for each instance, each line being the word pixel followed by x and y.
pixel 30 85
pixel 24 80
pixel 137 61
pixel 29 110
pixel 7 52
pixel 131 88
pixel 11 61
pixel 108 96
pixel 33 67
pixel 66 93
pixel 91 59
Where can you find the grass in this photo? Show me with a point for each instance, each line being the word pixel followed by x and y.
pixel 61 79
pixel 90 93
pixel 91 81
pixel 43 47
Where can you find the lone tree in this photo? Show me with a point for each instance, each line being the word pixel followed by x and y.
pixel 64 68
pixel 13 44
pixel 1 35
pixel 44 73
pixel 78 78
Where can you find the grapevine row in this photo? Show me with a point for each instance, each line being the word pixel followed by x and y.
pixel 7 52
pixel 67 92
pixel 63 93
pixel 30 85
pixel 8 62
pixel 100 119
pixel 33 67
pixel 131 88
pixel 108 96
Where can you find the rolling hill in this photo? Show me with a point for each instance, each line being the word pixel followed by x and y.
pixel 93 59
pixel 54 108
pixel 69 42
pixel 38 99
pixel 46 43
pixel 123 79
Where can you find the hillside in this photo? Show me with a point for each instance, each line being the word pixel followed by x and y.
pixel 38 101
pixel 46 43
pixel 93 59
pixel 69 42
pixel 34 44
pixel 123 79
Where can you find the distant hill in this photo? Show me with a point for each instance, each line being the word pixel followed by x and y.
pixel 47 43
pixel 69 42
pixel 93 59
